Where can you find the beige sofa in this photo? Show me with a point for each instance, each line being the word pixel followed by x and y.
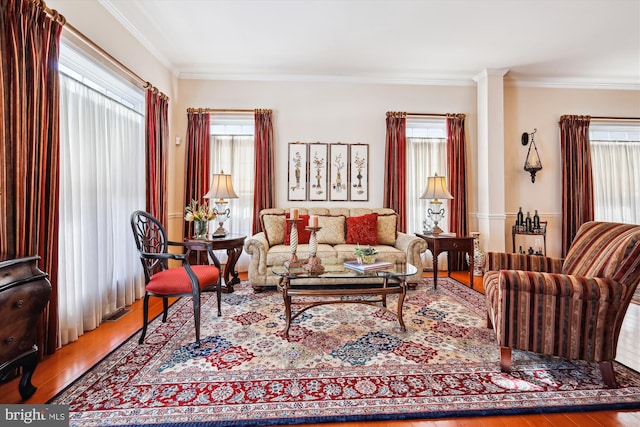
pixel 342 229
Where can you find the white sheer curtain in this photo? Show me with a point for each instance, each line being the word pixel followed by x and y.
pixel 102 182
pixel 425 158
pixel 615 157
pixel 234 154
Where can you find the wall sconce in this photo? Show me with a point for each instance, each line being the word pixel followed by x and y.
pixel 532 163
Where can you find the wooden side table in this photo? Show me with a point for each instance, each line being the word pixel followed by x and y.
pixel 233 244
pixel 448 242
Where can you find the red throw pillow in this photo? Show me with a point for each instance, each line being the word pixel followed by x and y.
pixel 303 235
pixel 363 229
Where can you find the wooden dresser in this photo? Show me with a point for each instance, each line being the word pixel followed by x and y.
pixel 24 293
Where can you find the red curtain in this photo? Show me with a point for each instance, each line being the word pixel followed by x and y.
pixel 30 144
pixel 395 178
pixel 577 181
pixel 196 159
pixel 457 170
pixel 157 136
pixel 263 192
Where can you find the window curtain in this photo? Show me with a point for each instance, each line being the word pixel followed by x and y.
pixel 616 178
pixel 196 160
pixel 234 155
pixel 577 181
pixel 102 181
pixel 263 194
pixel 30 144
pixel 425 157
pixel 457 170
pixel 157 135
pixel 395 178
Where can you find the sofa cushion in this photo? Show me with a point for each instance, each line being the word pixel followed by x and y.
pixel 301 225
pixel 274 226
pixel 332 229
pixel 387 229
pixel 363 229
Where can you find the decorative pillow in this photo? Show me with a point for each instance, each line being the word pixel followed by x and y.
pixel 332 231
pixel 274 226
pixel 387 229
pixel 363 229
pixel 303 235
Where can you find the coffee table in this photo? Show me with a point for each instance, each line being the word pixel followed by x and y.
pixel 339 281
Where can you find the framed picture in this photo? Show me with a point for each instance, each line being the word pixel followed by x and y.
pixel 297 174
pixel 359 172
pixel 338 172
pixel 318 171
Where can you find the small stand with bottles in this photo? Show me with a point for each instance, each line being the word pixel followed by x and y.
pixel 532 227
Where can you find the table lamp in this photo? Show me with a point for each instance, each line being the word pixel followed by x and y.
pixel 221 189
pixel 436 190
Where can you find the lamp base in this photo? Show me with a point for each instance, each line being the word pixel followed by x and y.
pixel 220 232
pixel 436 230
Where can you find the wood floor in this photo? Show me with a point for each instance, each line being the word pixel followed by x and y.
pixel 59 370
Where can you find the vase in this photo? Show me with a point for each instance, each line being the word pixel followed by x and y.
pixel 478 255
pixel 201 227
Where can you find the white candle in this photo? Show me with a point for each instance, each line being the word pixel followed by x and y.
pixel 294 213
pixel 313 221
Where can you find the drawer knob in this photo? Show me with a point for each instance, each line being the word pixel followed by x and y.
pixel 9 340
pixel 20 303
pixel 455 245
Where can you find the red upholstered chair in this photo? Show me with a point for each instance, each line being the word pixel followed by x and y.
pixel 162 281
pixel 571 308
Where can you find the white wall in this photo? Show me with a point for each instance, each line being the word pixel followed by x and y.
pixel 322 112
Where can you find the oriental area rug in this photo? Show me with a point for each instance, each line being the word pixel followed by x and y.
pixel 341 362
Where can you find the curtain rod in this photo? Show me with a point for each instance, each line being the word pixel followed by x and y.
pixel 217 110
pixel 614 118
pixel 55 15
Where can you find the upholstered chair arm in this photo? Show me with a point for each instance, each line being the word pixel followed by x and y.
pixel 513 261
pixel 257 246
pixel 412 246
pixel 562 315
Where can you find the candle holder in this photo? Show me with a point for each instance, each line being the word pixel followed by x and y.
pixel 293 244
pixel 313 266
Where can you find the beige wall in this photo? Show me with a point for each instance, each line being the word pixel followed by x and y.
pixel 527 108
pixel 352 112
pixel 321 112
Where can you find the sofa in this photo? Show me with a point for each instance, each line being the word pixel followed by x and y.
pixel 572 307
pixel 342 229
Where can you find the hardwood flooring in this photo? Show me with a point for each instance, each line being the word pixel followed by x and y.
pixel 59 370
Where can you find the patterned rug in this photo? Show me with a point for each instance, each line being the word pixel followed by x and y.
pixel 342 362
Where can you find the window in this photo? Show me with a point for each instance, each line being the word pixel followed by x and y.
pixel 102 182
pixel 426 156
pixel 615 156
pixel 231 151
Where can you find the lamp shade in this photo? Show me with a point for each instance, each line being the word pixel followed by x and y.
pixel 221 187
pixel 436 188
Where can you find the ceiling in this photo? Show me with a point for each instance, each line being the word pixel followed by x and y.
pixel 586 43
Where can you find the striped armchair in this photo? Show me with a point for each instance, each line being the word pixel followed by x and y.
pixel 571 308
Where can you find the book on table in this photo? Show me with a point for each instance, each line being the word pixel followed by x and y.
pixel 374 266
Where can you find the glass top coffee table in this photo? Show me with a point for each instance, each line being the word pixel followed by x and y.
pixel 340 282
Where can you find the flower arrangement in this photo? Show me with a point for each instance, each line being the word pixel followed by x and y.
pixel 366 254
pixel 198 212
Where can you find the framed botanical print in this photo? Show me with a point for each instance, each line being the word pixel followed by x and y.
pixel 338 172
pixel 359 172
pixel 297 179
pixel 318 171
